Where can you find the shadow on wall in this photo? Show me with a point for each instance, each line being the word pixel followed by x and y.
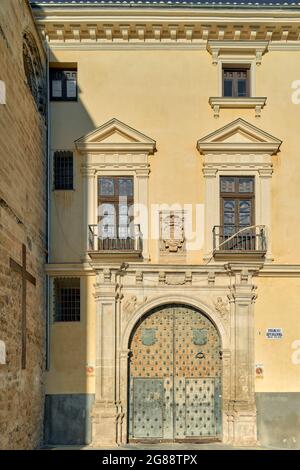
pixel 278 419
pixel 67 419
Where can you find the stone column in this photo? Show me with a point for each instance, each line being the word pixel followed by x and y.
pixel 89 215
pixel 242 407
pixel 104 415
pixel 211 209
pixel 142 176
pixel 265 205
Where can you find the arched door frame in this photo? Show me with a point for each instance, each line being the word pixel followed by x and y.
pixel 143 311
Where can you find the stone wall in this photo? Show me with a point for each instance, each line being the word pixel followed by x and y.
pixel 278 419
pixel 22 221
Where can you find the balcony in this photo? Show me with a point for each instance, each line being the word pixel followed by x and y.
pixel 237 242
pixel 111 243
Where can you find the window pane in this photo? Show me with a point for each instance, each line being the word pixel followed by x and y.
pixel 241 74
pixel 71 88
pixel 123 220
pixel 227 184
pixel 229 212
pixel 126 187
pixel 71 79
pixel 229 230
pixel 246 185
pixel 228 87
pixel 56 88
pixel 245 213
pixel 242 88
pixel 107 187
pixel 107 213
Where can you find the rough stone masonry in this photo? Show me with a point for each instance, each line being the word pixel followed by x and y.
pixel 22 221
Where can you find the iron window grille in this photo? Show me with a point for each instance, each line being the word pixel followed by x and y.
pixel 63 170
pixel 67 300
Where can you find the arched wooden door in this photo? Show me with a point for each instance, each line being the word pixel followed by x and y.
pixel 175 377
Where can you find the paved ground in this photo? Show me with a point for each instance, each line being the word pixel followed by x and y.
pixel 154 447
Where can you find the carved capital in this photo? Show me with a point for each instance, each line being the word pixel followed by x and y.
pixel 88 172
pixel 209 172
pixel 143 172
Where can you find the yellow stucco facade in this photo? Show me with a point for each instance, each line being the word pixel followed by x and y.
pixel 160 86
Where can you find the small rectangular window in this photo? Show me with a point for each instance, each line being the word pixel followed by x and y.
pixel 236 82
pixel 63 170
pixel 67 299
pixel 63 84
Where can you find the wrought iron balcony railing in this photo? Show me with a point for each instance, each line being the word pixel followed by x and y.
pixel 239 239
pixel 113 238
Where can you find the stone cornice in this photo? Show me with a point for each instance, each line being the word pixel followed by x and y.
pixel 222 46
pixel 83 25
pixel 218 103
pixel 264 148
pixel 125 139
pixel 239 137
pixel 268 270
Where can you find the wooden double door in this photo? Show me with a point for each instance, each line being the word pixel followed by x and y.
pixel 175 377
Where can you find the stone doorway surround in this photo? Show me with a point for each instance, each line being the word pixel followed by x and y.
pixel 124 294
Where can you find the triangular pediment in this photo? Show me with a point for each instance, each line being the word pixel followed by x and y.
pixel 239 136
pixel 115 136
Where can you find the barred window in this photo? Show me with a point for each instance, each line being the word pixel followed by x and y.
pixel 67 299
pixel 63 170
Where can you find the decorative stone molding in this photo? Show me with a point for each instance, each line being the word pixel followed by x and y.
pixel 139 277
pixel 107 276
pixel 34 71
pixel 218 103
pixel 221 307
pixel 239 148
pixel 172 232
pixel 239 137
pixel 211 278
pixel 233 319
pixel 115 137
pixel 175 280
pixel 161 278
pixel 221 48
pixel 103 26
pixel 115 149
pixel 132 303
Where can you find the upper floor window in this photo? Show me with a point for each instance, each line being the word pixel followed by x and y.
pixel 67 299
pixel 63 84
pixel 63 170
pixel 236 82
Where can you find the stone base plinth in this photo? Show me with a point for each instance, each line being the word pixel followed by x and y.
pixel 104 425
pixel 239 424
